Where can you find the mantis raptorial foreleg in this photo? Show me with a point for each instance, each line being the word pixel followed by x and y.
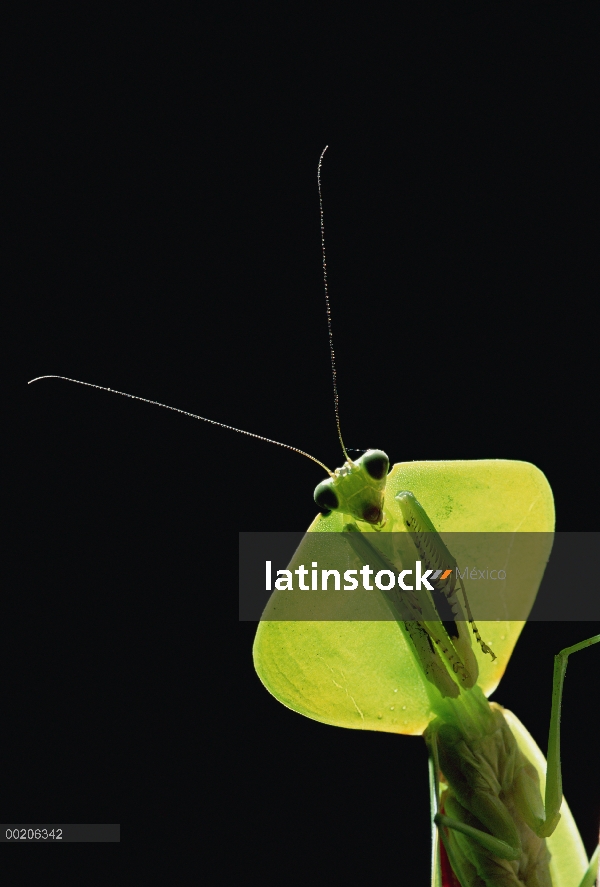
pixel 417 619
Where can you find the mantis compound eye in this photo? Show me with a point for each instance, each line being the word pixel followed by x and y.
pixel 376 464
pixel 326 497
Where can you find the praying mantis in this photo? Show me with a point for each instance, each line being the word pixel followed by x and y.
pixel 441 480
pixel 343 678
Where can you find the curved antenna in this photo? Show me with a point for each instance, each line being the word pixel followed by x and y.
pixel 192 416
pixel 336 400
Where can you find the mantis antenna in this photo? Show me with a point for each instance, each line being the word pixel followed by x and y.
pixel 230 427
pixel 336 400
pixel 191 415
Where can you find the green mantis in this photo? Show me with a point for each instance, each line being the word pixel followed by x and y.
pixel 343 673
pixel 491 815
pixel 350 680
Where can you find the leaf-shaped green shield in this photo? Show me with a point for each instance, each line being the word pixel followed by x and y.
pixel 360 673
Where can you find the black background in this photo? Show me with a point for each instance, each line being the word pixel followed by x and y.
pixel 164 241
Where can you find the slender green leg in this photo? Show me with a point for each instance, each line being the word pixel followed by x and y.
pixel 589 879
pixel 553 797
pixel 434 796
pixel 497 846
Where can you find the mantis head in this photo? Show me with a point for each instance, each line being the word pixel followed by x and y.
pixel 357 488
